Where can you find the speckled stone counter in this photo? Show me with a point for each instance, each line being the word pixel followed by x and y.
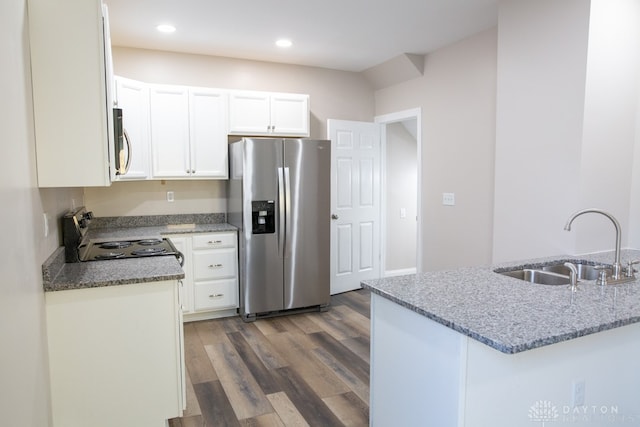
pixel 512 315
pixel 146 231
pixel 58 275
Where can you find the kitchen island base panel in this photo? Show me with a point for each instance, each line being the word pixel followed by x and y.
pixel 425 374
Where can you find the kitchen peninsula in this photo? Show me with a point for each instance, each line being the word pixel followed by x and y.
pixel 470 347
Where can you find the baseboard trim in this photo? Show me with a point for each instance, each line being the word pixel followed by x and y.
pixel 400 272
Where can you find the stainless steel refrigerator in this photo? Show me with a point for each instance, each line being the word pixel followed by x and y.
pixel 278 196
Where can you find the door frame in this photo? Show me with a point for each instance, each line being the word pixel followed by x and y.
pixel 383 120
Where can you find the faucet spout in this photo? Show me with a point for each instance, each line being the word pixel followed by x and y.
pixel 617 267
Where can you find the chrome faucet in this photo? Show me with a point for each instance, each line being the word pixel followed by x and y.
pixel 617 267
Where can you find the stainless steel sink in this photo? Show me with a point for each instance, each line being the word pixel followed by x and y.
pixel 538 276
pixel 585 271
pixel 555 272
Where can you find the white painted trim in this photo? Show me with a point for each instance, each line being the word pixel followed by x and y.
pixel 399 272
pixel 413 113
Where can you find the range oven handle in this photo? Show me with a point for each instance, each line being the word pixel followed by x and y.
pixel 180 258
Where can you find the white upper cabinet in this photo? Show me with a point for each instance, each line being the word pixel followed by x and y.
pixel 290 114
pixel 133 98
pixel 263 113
pixel 208 133
pixel 188 132
pixel 71 75
pixel 170 131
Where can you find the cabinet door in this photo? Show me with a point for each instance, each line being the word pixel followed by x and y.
pixel 170 131
pixel 208 133
pixel 216 294
pixel 290 114
pixel 183 244
pixel 214 240
pixel 106 340
pixel 249 113
pixel 133 98
pixel 214 264
pixel 71 92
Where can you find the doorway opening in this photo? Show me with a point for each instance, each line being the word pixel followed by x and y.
pixel 401 201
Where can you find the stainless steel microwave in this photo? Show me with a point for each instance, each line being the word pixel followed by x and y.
pixel 122 145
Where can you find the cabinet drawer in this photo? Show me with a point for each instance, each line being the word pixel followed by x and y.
pixel 216 294
pixel 215 240
pixel 214 264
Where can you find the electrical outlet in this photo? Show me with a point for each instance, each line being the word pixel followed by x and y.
pixel 577 397
pixel 448 199
pixel 170 196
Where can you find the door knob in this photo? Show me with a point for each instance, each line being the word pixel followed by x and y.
pixel 334 216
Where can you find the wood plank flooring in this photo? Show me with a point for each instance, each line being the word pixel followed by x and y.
pixel 308 369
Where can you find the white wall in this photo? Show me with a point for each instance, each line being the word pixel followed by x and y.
pixel 634 210
pixel 457 96
pixel 401 174
pixel 609 132
pixel 137 198
pixel 24 383
pixel 566 105
pixel 334 94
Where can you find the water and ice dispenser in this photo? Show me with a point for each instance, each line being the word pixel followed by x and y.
pixel 263 216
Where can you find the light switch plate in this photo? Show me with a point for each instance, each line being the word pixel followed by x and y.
pixel 448 199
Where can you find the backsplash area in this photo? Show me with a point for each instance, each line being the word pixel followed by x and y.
pixel 157 220
pixel 143 198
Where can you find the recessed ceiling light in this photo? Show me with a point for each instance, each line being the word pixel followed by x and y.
pixel 166 28
pixel 284 43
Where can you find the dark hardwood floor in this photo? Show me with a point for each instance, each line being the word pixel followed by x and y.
pixel 308 369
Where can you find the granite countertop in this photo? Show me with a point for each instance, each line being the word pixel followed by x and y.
pixel 146 231
pixel 509 314
pixel 58 275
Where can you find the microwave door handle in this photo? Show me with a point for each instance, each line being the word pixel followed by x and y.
pixel 129 152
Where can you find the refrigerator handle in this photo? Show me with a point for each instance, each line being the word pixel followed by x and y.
pixel 288 220
pixel 281 212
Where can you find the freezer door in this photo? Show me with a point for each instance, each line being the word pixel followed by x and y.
pixel 261 275
pixel 307 173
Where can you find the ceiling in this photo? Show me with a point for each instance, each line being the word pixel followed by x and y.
pixel 350 35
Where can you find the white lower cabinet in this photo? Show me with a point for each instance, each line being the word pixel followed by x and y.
pixel 116 355
pixel 210 286
pixel 215 294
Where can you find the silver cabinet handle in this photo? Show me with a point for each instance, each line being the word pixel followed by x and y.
pixel 216 295
pixel 215 265
pixel 334 216
pixel 214 242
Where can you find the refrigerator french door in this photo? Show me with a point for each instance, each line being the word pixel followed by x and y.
pixel 279 198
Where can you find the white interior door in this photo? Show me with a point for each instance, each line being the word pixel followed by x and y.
pixel 355 203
